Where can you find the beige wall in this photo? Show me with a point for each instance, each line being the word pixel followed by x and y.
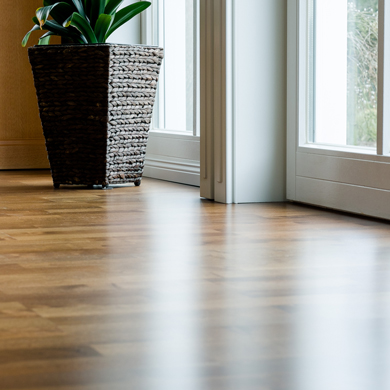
pixel 21 140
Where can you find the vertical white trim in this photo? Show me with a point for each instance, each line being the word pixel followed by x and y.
pixel 219 70
pixel 145 34
pixel 217 79
pixel 302 74
pixel 383 129
pixel 196 98
pixel 207 99
pixel 216 155
pixel 160 31
pixel 380 89
pixel 234 105
pixel 203 94
pixel 386 80
pixel 230 105
pixel 292 95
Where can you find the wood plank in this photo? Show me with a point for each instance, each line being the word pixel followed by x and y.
pixel 152 287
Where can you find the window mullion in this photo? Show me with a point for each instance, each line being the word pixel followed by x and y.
pixel 383 140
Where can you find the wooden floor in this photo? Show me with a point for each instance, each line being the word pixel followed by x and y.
pixel 152 288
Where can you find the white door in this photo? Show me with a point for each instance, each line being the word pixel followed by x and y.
pixel 174 145
pixel 338 90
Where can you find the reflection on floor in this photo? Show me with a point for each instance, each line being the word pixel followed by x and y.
pixel 153 288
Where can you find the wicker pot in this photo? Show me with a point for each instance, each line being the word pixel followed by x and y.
pixel 95 104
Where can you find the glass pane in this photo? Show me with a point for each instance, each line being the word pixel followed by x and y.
pixel 177 20
pixel 343 40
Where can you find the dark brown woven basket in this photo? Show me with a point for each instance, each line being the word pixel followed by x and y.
pixel 96 104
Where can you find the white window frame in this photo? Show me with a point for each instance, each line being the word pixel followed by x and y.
pixel 341 178
pixel 171 155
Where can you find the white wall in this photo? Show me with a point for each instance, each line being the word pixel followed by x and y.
pixel 260 31
pixel 130 33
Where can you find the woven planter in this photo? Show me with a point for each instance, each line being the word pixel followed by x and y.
pixel 95 104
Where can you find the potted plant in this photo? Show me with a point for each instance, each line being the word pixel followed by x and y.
pixel 95 99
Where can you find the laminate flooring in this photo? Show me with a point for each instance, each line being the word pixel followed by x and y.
pixel 153 288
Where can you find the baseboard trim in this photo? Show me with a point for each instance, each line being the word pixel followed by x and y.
pixel 23 154
pixel 173 169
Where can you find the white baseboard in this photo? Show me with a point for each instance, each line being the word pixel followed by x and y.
pixel 173 157
pixel 173 169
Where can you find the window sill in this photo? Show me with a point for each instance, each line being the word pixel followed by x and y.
pixel 173 134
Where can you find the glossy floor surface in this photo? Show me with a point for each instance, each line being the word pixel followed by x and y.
pixel 152 288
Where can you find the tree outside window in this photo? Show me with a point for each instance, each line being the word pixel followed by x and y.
pixel 362 72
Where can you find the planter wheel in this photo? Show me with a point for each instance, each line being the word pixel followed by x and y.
pixel 137 182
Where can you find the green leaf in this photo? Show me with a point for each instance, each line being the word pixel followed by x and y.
pixel 45 38
pixel 27 36
pixel 44 41
pixel 35 20
pixel 49 33
pixel 112 6
pixel 77 21
pixel 44 12
pixel 102 26
pixel 53 26
pixel 61 31
pixel 58 15
pixel 87 7
pixel 127 13
pixel 97 8
pixel 79 4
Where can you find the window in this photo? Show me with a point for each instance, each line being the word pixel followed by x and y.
pixel 338 88
pixel 174 145
pixel 174 26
